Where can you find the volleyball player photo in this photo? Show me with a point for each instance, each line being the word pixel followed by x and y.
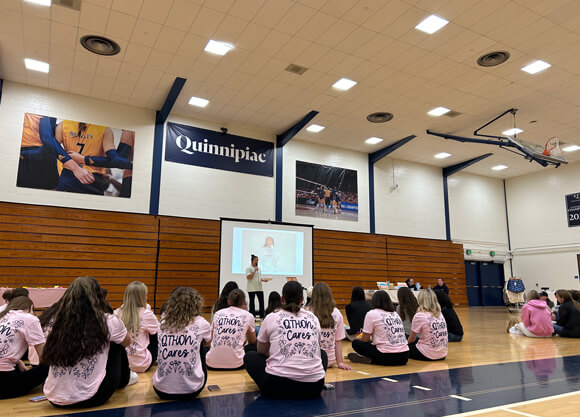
pixel 77 157
pixel 326 192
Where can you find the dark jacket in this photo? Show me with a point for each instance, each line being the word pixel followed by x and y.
pixel 453 324
pixel 355 314
pixel 443 288
pixel 569 318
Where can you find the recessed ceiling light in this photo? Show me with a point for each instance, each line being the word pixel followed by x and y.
pixel 315 128
pixel 536 66
pixel 438 111
pixel 39 2
pixel 218 48
pixel 373 140
pixel 499 167
pixel 199 102
pixel 431 25
pixel 344 84
pixel 511 132
pixel 442 155
pixel 571 148
pixel 34 65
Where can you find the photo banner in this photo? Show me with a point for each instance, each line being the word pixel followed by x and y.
pixel 326 192
pixel 77 157
pixel 206 148
pixel 573 209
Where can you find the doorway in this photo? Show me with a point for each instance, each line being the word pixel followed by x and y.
pixel 485 282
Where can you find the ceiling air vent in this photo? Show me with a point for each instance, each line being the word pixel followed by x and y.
pixel 380 117
pixel 296 69
pixel 452 113
pixel 100 45
pixel 493 58
pixel 69 4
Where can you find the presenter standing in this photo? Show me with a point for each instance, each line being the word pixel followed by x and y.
pixel 254 286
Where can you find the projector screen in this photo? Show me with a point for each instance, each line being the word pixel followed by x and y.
pixel 284 250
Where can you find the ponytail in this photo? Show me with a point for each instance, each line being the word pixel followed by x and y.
pixel 17 303
pixel 292 295
pixel 237 298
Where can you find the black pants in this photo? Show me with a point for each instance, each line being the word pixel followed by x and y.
pixel 190 395
pixel 16 383
pixel 117 376
pixel 414 353
pixel 153 348
pixel 278 387
pixel 260 295
pixel 379 358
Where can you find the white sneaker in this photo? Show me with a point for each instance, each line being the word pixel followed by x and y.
pixel 133 379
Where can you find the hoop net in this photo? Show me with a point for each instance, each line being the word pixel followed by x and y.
pixel 552 147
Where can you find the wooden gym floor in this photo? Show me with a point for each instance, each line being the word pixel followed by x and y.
pixel 490 373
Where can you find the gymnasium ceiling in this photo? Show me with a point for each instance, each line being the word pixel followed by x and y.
pixel 398 68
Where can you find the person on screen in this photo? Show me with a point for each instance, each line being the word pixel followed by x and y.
pixel 254 286
pixel 269 255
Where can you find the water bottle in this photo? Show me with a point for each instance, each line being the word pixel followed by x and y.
pixel 417 286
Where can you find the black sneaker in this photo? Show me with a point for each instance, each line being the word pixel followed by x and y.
pixel 356 358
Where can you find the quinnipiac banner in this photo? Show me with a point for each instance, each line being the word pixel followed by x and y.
pixel 207 148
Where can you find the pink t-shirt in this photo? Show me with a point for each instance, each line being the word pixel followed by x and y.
pixel 329 337
pixel 228 329
pixel 294 345
pixel 32 354
pixel 18 330
pixel 433 334
pixel 179 369
pixel 387 330
pixel 137 352
pixel 73 384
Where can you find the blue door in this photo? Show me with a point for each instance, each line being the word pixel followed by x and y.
pixel 473 283
pixel 492 283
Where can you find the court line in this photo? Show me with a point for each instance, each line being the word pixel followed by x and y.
pixel 459 397
pixel 389 379
pixel 421 388
pixel 521 413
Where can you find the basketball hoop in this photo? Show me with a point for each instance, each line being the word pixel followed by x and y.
pixel 552 147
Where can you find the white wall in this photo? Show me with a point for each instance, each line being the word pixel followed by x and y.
pixel 18 99
pixel 198 192
pixel 544 247
pixel 416 207
pixel 297 150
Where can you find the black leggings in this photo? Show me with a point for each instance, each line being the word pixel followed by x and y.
pixel 17 383
pixel 191 395
pixel 117 376
pixel 379 358
pixel 252 309
pixel 414 353
pixel 153 348
pixel 278 387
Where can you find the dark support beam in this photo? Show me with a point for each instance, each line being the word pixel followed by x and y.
pixel 446 205
pixel 285 137
pixel 453 169
pixel 507 222
pixel 1 85
pixel 373 158
pixel 160 119
pixel 381 153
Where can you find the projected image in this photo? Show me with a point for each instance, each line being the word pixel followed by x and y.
pixel 279 252
pixel 326 192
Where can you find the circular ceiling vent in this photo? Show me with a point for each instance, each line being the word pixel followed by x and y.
pixel 379 117
pixel 493 58
pixel 100 45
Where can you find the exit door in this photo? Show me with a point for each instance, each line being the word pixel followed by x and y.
pixel 484 282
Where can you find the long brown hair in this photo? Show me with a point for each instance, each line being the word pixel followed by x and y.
pixel 408 304
pixel 322 305
pixel 80 329
pixel 15 292
pixel 17 303
pixel 183 306
pixel 293 296
pixel 567 296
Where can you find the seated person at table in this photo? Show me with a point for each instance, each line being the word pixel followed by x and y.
pixel 412 284
pixel 454 327
pixel 355 312
pixel 441 286
pixel 429 324
pixel 383 324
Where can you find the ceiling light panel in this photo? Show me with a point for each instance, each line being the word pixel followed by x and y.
pixel 315 128
pixel 34 65
pixel 431 24
pixel 438 111
pixel 536 67
pixel 373 140
pixel 218 48
pixel 344 84
pixel 199 102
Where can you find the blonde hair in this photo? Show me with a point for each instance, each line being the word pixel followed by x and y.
pixel 134 299
pixel 532 295
pixel 183 306
pixel 428 302
pixel 322 305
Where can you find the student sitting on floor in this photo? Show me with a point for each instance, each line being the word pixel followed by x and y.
pixel 355 312
pixel 407 307
pixel 331 322
pixel 20 329
pixel 536 318
pixel 389 345
pixel 181 372
pixel 429 324
pixel 13 293
pixel 454 327
pixel 85 349
pixel 230 328
pixel 143 326
pixel 222 300
pixel 274 303
pixel 568 322
pixel 289 363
